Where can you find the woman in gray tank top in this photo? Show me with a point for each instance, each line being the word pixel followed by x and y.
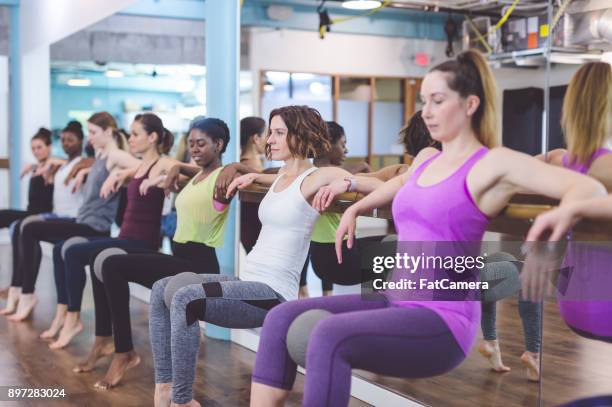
pixel 94 218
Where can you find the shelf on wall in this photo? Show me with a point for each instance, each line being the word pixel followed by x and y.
pixel 537 57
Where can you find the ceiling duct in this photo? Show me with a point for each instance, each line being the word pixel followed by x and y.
pixel 588 28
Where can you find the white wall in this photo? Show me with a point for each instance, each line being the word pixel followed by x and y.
pixel 515 78
pixel 42 22
pixel 300 51
pixel 45 22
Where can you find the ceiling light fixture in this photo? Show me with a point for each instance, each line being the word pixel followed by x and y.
pixel 361 4
pixel 79 82
pixel 114 73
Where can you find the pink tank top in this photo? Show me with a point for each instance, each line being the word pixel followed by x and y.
pixel 142 218
pixel 584 168
pixel 444 211
pixel 583 293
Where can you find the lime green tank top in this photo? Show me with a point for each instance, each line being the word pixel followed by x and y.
pixel 325 228
pixel 196 218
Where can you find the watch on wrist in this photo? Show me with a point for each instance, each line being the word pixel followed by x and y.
pixel 352 186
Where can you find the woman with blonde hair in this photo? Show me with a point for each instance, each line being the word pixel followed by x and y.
pixel 586 122
pixel 444 196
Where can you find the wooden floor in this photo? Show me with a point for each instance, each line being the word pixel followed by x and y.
pixel 223 376
pixel 573 367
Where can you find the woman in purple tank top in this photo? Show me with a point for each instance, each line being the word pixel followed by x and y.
pixel 447 196
pixel 585 121
pixel 140 228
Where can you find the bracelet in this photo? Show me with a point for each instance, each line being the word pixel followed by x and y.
pixel 352 187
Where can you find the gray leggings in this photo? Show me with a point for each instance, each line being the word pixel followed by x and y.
pixel 175 336
pixel 502 272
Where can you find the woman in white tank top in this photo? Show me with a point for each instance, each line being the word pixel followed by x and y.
pixel 272 271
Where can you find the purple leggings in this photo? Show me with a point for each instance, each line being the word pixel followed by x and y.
pixel 369 335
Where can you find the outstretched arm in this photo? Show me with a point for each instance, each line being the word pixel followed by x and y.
pixel 559 220
pixel 121 159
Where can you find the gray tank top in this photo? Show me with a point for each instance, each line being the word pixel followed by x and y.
pixel 97 212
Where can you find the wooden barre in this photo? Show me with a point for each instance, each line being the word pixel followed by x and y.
pixel 515 219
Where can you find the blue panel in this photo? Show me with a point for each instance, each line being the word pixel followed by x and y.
pixel 222 92
pixel 353 116
pixel 65 99
pixel 15 107
pixel 9 2
pixel 386 124
pixel 387 22
pixel 182 9
pixel 394 23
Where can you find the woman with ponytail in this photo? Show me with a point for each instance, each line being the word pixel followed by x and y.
pixel 586 123
pixel 140 227
pixel 65 203
pixel 444 196
pixel 94 217
pixel 40 195
pixel 201 220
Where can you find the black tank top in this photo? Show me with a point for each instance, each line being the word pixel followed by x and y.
pixel 40 196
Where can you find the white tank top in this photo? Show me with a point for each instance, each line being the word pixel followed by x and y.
pixel 65 203
pixel 287 221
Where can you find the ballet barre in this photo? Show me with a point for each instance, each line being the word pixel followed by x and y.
pixel 514 220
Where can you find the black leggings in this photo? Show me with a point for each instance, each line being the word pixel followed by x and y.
pixel 52 231
pixel 325 284
pixel 8 216
pixel 250 226
pixel 326 267
pixel 112 297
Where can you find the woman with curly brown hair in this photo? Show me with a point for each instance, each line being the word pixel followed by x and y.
pixel 272 270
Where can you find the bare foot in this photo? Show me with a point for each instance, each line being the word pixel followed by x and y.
pixel 192 403
pixel 103 346
pixel 532 363
pixel 162 394
pixel 27 302
pixel 11 301
pixel 58 321
pixel 121 363
pixel 68 332
pixel 490 350
pixel 4 292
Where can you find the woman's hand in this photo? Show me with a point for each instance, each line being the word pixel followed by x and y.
pixel 79 179
pixel 144 186
pixel 542 263
pixel 112 184
pixel 224 180
pixel 151 182
pixel 240 183
pixel 171 180
pixel 325 195
pixel 558 220
pixel 347 227
pixel 28 168
pixel 82 164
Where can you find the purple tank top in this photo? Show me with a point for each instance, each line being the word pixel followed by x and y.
pixel 587 281
pixel 444 211
pixel 142 218
pixel 584 168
